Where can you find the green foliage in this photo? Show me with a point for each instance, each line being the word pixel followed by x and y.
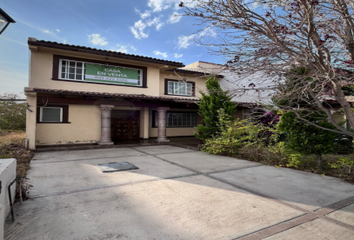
pixel 345 164
pixel 348 90
pixel 232 136
pixel 209 104
pixel 236 134
pixel 307 139
pixel 12 114
pixel 289 95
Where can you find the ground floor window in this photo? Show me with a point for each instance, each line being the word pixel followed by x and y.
pixel 52 114
pixel 177 119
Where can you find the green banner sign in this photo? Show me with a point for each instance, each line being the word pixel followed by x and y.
pixel 113 75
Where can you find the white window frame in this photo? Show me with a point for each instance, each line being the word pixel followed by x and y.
pixel 41 114
pixel 193 120
pixel 140 72
pixel 68 73
pixel 177 86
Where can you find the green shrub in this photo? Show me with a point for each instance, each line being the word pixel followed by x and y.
pixel 210 102
pixel 307 139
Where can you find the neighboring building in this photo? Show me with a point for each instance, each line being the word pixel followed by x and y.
pixel 81 95
pixel 253 88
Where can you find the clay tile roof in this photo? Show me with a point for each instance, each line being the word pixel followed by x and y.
pixel 128 96
pixel 187 71
pixel 76 48
pixel 115 95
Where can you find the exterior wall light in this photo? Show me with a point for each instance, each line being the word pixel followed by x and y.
pixel 5 20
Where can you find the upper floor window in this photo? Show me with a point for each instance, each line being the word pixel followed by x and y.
pixel 96 72
pixel 71 70
pixel 174 87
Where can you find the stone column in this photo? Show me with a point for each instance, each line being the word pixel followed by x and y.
pixel 106 125
pixel 161 124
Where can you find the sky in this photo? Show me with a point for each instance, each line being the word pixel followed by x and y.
pixel 153 28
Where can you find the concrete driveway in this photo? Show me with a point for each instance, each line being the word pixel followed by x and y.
pixel 178 194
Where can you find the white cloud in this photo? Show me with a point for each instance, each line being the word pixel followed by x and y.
pixel 185 41
pixel 155 22
pixel 46 31
pixel 144 14
pixel 96 39
pixel 139 27
pixel 174 18
pixel 138 30
pixel 158 26
pixel 64 41
pixel 178 55
pixel 123 48
pixel 157 53
pixel 58 30
pixel 159 5
pixel 207 32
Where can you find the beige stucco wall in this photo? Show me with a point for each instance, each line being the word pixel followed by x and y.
pixel 84 127
pixel 41 74
pixel 31 118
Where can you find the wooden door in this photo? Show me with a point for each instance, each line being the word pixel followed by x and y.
pixel 125 125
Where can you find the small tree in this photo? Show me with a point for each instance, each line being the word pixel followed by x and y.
pixel 308 139
pixel 210 102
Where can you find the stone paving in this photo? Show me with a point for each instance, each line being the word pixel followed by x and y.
pixel 177 193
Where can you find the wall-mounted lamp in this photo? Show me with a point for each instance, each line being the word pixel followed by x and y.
pixel 5 20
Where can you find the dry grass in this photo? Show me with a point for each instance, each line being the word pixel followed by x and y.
pixel 12 137
pixel 12 146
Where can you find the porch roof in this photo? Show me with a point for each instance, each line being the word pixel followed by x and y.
pixel 127 96
pixel 110 95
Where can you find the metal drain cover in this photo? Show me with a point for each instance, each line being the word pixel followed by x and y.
pixel 116 166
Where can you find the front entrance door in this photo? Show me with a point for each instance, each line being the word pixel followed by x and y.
pixel 125 125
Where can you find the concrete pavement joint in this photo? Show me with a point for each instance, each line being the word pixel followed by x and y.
pixel 335 206
pixel 108 186
pixel 335 221
pixel 279 227
pixel 231 184
pixel 233 169
pixel 304 215
pixel 82 159
pixel 269 231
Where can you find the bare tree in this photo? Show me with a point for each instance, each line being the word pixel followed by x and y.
pixel 275 36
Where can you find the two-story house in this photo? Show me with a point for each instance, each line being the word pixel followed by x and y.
pixel 82 95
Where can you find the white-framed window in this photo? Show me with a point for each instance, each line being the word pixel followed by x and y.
pixel 51 114
pixel 179 88
pixel 71 70
pixel 178 119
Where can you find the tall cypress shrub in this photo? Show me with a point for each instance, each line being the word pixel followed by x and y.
pixel 211 101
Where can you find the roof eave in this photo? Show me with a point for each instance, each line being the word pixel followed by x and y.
pixel 82 49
